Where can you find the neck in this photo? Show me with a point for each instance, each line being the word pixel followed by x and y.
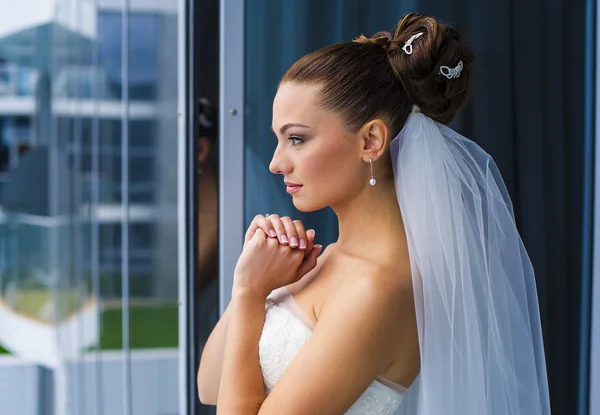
pixel 370 225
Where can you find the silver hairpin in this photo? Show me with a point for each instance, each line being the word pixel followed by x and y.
pixel 407 48
pixel 452 73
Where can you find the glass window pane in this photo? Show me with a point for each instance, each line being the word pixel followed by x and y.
pixel 76 278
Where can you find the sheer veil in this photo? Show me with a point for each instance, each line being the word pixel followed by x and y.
pixel 474 286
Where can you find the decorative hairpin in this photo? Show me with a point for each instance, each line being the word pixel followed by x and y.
pixel 452 73
pixel 407 48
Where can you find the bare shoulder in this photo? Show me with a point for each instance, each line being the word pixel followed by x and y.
pixel 382 289
pixel 339 278
pixel 389 280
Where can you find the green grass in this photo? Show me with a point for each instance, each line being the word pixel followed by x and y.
pixel 150 327
pixel 31 301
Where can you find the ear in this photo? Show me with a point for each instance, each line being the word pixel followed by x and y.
pixel 375 139
pixel 204 146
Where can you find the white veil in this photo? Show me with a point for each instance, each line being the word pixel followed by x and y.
pixel 475 296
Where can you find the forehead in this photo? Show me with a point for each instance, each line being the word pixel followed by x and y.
pixel 296 103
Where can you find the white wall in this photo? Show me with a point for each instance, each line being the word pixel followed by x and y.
pixel 44 343
pixel 19 387
pixel 154 385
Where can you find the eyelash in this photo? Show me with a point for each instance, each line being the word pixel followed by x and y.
pixel 293 138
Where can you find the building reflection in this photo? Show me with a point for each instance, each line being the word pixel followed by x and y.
pixel 88 208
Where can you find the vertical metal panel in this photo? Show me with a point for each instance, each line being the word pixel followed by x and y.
pixel 231 142
pixel 95 225
pixel 184 249
pixel 127 406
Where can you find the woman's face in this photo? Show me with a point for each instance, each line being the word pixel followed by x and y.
pixel 315 150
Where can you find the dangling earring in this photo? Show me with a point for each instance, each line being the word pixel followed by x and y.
pixel 372 181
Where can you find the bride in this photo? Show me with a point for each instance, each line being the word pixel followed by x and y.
pixel 426 303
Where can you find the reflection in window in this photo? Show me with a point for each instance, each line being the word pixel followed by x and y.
pixel 65 253
pixel 142 52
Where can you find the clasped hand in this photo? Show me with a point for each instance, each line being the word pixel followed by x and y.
pixel 277 252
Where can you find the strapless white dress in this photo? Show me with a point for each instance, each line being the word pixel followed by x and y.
pixel 286 329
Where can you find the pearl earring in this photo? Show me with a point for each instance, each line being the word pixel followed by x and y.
pixel 372 181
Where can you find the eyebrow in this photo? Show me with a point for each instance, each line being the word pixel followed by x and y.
pixel 283 129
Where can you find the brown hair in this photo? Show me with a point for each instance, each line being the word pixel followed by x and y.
pixel 372 78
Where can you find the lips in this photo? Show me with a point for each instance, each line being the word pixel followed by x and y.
pixel 292 187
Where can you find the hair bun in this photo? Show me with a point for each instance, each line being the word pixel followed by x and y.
pixel 435 68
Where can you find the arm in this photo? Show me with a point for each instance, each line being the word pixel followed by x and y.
pixel 209 372
pixel 242 390
pixel 350 347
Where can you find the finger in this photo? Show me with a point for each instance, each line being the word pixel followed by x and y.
pixel 310 261
pixel 257 241
pixel 260 236
pixel 276 223
pixel 290 230
pixel 251 229
pixel 259 221
pixel 266 225
pixel 301 232
pixel 260 233
pixel 310 240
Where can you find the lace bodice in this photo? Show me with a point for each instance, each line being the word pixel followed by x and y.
pixel 285 331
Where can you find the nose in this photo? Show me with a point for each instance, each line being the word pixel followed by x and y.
pixel 279 163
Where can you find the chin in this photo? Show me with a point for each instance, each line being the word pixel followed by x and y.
pixel 305 207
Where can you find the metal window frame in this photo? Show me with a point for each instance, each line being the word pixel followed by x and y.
pixel 186 202
pixel 594 225
pixel 231 144
pixel 125 274
pixel 231 184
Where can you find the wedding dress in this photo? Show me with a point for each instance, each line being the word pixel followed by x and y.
pixel 285 331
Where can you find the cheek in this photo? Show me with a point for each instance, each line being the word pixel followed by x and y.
pixel 328 176
pixel 331 169
pixel 325 165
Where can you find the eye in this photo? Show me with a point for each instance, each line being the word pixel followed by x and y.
pixel 295 140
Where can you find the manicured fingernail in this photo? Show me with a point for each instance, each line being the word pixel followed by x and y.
pixel 284 239
pixel 302 244
pixel 312 231
pixel 294 242
pixel 272 233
